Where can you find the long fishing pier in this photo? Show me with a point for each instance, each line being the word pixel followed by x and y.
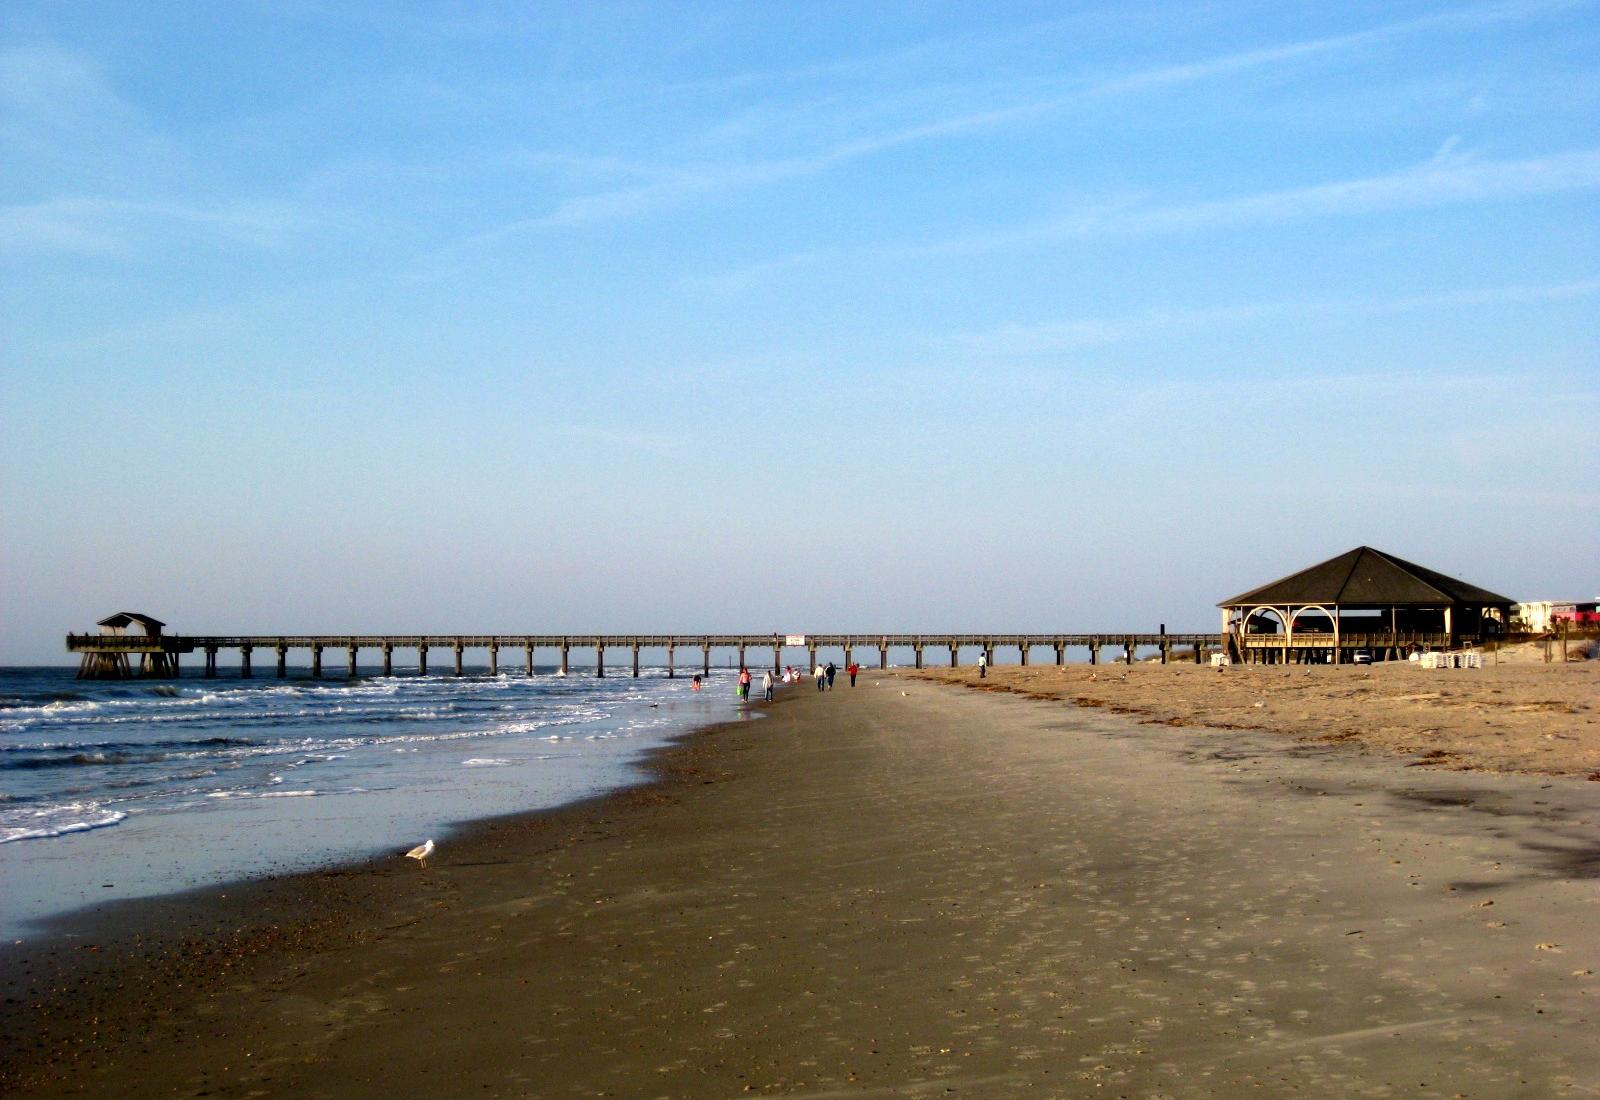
pixel 107 655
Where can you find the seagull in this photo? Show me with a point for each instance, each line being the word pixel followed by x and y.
pixel 421 852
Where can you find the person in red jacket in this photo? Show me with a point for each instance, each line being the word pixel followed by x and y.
pixel 852 670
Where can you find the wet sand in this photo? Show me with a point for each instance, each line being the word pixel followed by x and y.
pixel 905 889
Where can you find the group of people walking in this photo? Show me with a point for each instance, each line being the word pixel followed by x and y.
pixel 824 676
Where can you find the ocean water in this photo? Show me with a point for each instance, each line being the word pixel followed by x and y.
pixel 111 790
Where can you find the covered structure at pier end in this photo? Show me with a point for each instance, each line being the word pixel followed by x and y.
pixel 1362 600
pixel 105 655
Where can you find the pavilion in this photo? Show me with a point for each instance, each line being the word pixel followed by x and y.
pixel 1364 599
pixel 105 656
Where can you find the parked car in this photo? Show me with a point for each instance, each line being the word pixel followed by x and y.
pixel 1361 657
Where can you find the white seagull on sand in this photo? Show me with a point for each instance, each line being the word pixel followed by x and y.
pixel 421 852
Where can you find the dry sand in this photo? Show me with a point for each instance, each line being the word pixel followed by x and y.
pixel 904 889
pixel 1520 715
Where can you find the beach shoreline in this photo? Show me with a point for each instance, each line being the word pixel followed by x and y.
pixel 898 889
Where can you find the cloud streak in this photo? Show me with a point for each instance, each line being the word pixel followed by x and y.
pixel 675 185
pixel 109 227
pixel 1071 335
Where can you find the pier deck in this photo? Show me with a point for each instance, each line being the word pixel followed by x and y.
pixel 171 646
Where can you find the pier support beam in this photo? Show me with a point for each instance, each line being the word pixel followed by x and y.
pixel 244 662
pixel 211 662
pixel 1094 652
pixel 316 662
pixel 527 659
pixel 283 661
pixel 988 654
pixel 422 660
pixel 671 655
pixel 599 660
pixel 777 658
pixel 494 660
pixel 849 653
pixel 1061 653
pixel 741 655
pixel 955 655
pixel 1199 652
pixel 350 661
pixel 918 649
pixel 388 659
pixel 564 647
pixel 457 649
pixel 883 656
pixel 1024 647
pixel 635 660
pixel 811 657
pixel 1127 651
pixel 705 660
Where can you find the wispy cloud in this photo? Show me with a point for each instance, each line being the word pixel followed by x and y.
pixel 95 226
pixel 1448 182
pixel 673 185
pixel 1070 335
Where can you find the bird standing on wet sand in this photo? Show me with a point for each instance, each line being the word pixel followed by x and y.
pixel 421 852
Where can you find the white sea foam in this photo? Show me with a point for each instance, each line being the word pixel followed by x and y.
pixel 260 794
pixel 67 820
pixel 485 762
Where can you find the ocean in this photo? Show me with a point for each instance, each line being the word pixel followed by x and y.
pixel 119 789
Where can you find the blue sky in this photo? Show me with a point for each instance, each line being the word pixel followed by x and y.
pixel 343 316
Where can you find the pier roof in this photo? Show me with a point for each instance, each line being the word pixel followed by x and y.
pixel 1365 577
pixel 123 619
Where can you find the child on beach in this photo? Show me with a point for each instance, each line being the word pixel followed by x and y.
pixel 766 686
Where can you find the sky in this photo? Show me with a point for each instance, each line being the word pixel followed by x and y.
pixel 379 317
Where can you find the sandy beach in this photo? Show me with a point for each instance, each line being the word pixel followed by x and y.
pixel 1516 714
pixel 910 888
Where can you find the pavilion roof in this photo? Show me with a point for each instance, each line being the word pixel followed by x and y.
pixel 125 618
pixel 1365 577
